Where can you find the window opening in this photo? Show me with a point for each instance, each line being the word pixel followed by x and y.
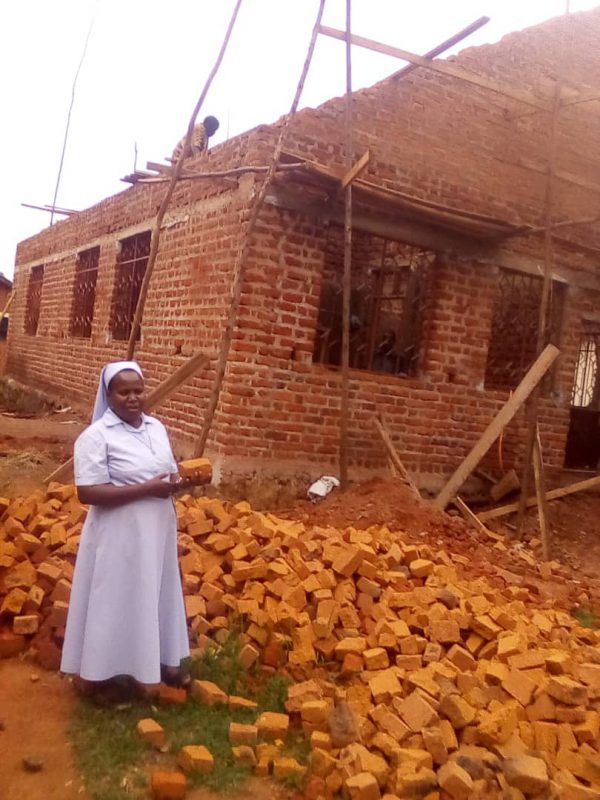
pixel 513 339
pixel 389 281
pixel 84 292
pixel 34 299
pixel 131 267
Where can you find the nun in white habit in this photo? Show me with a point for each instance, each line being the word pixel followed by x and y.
pixel 126 614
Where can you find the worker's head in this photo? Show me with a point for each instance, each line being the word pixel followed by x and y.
pixel 211 125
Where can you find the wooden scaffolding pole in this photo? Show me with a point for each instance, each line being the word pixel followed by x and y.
pixel 347 277
pixel 443 46
pixel 139 310
pixel 543 318
pixel 242 259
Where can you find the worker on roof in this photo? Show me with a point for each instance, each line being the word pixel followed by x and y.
pixel 202 133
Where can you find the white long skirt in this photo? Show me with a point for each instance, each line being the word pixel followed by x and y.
pixel 126 614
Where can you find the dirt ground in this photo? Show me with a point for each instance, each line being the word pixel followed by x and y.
pixel 35 716
pixel 30 449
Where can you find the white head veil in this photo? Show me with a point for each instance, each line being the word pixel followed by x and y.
pixel 106 376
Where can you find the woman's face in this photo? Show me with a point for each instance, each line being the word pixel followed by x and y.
pixel 126 395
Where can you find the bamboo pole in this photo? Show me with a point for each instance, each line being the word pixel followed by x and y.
pixel 242 259
pixel 154 399
pixel 139 311
pixel 542 333
pixel 347 277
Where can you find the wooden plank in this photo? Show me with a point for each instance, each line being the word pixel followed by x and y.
pixel 443 46
pixel 355 171
pixel 540 491
pixel 393 454
pixel 443 67
pixel 497 425
pixel 474 520
pixel 553 494
pixel 153 400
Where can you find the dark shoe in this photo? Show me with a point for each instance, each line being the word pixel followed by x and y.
pixel 174 676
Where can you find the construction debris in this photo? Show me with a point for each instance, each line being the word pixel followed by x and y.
pixel 408 678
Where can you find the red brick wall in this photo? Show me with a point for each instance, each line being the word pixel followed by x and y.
pixel 430 135
pixel 277 402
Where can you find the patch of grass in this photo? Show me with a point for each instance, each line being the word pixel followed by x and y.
pixel 220 665
pixel 115 763
pixel 105 746
pixel 273 694
pixel 587 618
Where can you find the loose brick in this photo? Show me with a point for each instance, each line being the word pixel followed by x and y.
pixel 168 785
pixel 26 625
pixel 567 691
pixel 240 733
pixel 416 712
pixel 196 758
pixel 272 725
pixel 526 773
pixel 208 693
pixel 457 710
pixel 455 781
pixel 519 686
pixel 363 786
pixel 152 733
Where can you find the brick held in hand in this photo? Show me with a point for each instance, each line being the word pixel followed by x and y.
pixel 197 470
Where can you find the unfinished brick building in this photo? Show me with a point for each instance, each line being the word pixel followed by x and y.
pixel 446 288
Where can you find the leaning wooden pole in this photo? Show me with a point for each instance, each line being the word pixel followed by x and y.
pixel 347 277
pixel 242 259
pixel 6 308
pixel 497 425
pixel 543 326
pixel 139 310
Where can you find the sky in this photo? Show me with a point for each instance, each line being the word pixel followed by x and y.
pixel 147 61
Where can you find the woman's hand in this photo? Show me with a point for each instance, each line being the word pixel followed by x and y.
pixel 159 487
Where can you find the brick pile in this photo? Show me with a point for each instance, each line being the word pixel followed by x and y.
pixel 409 680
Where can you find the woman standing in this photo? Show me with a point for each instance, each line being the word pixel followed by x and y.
pixel 126 614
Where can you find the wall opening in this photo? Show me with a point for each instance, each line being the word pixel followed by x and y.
pixel 515 322
pixel 132 261
pixel 583 440
pixel 34 299
pixel 389 292
pixel 84 293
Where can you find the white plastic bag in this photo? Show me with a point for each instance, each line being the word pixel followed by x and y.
pixel 321 488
